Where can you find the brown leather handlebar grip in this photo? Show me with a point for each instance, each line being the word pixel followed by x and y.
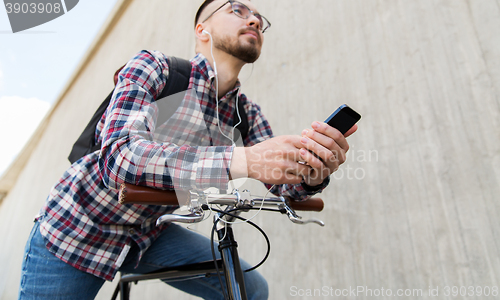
pixel 135 194
pixel 311 204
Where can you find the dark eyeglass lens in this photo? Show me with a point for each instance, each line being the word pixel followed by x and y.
pixel 260 20
pixel 240 10
pixel 244 12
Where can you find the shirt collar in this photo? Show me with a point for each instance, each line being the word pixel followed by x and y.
pixel 203 66
pixel 205 69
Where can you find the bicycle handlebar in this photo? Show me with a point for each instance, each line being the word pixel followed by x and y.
pixel 133 194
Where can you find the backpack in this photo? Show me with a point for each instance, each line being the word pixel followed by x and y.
pixel 178 81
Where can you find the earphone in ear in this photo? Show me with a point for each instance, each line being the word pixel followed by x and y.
pixel 211 49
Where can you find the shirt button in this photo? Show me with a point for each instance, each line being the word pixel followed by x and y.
pixel 131 231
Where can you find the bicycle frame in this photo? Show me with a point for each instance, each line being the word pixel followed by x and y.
pixel 229 263
pixel 233 273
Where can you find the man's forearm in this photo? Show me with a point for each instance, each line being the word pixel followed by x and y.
pixel 238 167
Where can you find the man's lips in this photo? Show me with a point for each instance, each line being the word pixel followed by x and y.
pixel 252 32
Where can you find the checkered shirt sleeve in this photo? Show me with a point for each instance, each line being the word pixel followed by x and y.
pixel 129 152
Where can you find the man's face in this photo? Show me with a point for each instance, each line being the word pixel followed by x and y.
pixel 236 36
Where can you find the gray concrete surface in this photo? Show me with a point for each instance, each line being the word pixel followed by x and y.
pixel 416 206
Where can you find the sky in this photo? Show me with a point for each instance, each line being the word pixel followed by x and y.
pixel 36 64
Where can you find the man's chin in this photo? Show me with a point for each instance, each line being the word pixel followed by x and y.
pixel 249 57
pixel 250 53
pixel 245 51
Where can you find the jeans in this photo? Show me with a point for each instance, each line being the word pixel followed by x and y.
pixel 44 276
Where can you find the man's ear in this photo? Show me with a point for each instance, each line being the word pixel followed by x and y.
pixel 202 36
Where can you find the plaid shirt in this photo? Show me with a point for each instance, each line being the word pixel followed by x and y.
pixel 83 223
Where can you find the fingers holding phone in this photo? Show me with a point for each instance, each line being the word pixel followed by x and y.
pixel 327 144
pixel 328 137
pixel 327 149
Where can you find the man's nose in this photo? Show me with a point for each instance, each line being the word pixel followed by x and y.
pixel 254 22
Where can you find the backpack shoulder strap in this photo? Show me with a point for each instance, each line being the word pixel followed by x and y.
pixel 243 127
pixel 178 78
pixel 177 82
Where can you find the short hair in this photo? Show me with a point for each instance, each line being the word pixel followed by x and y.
pixel 200 10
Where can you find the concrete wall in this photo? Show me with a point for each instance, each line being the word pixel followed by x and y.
pixel 415 206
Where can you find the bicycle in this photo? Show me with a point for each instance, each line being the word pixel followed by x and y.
pixel 197 203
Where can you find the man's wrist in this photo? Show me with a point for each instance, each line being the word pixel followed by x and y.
pixel 238 168
pixel 316 188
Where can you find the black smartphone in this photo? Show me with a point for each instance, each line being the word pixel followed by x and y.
pixel 343 118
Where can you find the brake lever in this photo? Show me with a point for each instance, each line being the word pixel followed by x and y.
pixel 194 217
pixel 298 219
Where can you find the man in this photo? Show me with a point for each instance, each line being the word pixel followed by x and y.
pixel 83 236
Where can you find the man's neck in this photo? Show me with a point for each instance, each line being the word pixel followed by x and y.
pixel 228 69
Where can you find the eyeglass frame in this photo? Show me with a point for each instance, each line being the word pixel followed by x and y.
pixel 251 12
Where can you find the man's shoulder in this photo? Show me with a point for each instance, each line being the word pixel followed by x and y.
pixel 154 59
pixel 151 57
pixel 248 104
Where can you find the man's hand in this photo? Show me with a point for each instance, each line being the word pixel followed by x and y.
pixel 274 161
pixel 329 147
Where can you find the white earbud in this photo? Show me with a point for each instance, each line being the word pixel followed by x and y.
pixel 211 49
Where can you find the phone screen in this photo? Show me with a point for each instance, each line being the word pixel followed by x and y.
pixel 343 118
